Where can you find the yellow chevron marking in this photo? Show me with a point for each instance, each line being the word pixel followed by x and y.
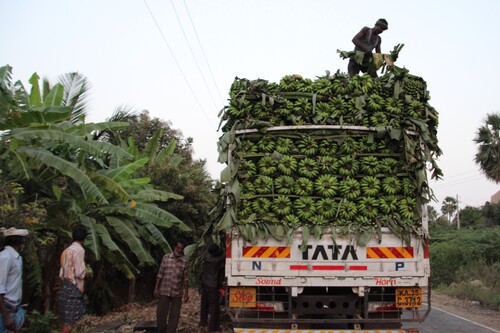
pixel 251 252
pixel 370 253
pixel 268 252
pixel 405 253
pixel 285 253
pixel 387 253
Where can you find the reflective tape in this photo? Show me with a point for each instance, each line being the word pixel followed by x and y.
pixel 389 252
pixel 266 251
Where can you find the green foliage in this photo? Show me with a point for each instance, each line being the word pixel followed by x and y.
pixel 57 171
pixel 461 256
pixel 471 217
pixel 488 153
pixel 37 322
pixel 477 281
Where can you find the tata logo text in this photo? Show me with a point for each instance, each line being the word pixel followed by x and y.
pixel 329 252
pixel 385 282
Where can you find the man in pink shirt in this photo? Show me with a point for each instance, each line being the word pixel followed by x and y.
pixel 73 272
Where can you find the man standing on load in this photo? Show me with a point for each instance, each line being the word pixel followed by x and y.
pixel 365 41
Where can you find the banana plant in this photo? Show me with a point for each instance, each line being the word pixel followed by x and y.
pixel 46 147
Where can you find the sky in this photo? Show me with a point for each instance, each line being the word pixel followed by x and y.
pixel 177 59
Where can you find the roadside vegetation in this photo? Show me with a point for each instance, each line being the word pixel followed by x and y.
pixel 465 262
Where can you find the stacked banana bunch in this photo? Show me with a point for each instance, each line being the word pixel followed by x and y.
pixel 365 169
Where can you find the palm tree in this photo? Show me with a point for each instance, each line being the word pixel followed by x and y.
pixel 448 207
pixel 488 141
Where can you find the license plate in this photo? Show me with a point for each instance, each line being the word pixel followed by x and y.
pixel 242 297
pixel 409 297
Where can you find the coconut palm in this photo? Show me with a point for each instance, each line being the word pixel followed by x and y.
pixel 449 206
pixel 488 141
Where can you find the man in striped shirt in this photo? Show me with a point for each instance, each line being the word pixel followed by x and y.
pixel 73 271
pixel 171 286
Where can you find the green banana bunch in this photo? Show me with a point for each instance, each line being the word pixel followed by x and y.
pixel 391 185
pixel 247 189
pixel 260 111
pixel 261 205
pixel 266 144
pixel 389 166
pixel 327 207
pixel 318 219
pixel 284 185
pixel 349 146
pixel 305 208
pixel 342 85
pixel 282 205
pixel 307 168
pixel 245 210
pixel 237 86
pixel 287 165
pixel 407 208
pixel 415 109
pixel 323 86
pixel 267 166
pixel 366 146
pixel 285 146
pixel 285 108
pixel 326 186
pixel 263 185
pixel 375 102
pixel 246 147
pixel 307 146
pixel 393 105
pixel 388 204
pixel 362 220
pixel 327 164
pixel 368 207
pixel 370 165
pixel 348 210
pixel 370 186
pixel 415 87
pixel 327 148
pixel 323 111
pixel 238 109
pixel 348 166
pixel 302 106
pixel 409 187
pixel 292 220
pixel 339 106
pixel 303 187
pixel 247 169
pixel 379 119
pixel 350 188
pixel 362 83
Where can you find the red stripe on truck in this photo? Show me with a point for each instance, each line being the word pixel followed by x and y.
pixel 228 245
pixel 328 268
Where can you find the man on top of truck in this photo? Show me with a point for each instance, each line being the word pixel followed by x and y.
pixel 366 40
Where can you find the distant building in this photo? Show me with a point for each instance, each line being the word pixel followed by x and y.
pixel 495 198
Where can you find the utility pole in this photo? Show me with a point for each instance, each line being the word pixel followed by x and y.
pixel 458 215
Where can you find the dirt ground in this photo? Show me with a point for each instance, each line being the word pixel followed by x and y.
pixel 124 319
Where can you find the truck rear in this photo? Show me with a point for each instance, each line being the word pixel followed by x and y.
pixel 324 203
